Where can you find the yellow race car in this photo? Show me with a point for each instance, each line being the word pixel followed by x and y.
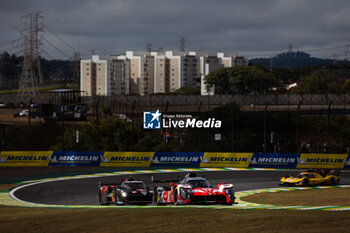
pixel 310 178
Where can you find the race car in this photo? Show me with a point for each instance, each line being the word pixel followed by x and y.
pixel 129 191
pixel 311 177
pixel 193 190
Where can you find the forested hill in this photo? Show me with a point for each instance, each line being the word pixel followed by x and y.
pixel 293 60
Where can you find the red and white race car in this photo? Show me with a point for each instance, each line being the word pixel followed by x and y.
pixel 194 190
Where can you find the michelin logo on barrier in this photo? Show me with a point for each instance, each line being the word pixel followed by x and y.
pixel 347 162
pixel 179 159
pixel 274 160
pixel 126 159
pixel 151 120
pixel 225 159
pixel 322 161
pixel 75 158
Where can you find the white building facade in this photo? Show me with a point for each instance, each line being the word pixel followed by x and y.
pixel 145 73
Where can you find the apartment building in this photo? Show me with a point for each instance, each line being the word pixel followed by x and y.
pixel 145 73
pixel 191 70
pixel 104 76
pixel 207 65
pixel 221 60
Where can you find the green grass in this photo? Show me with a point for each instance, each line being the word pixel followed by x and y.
pixel 169 220
pixel 20 219
pixel 310 197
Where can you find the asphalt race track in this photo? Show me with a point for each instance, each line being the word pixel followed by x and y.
pixel 84 191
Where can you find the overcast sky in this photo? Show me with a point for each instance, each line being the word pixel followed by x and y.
pixel 252 28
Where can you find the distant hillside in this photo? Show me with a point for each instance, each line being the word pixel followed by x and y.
pixel 293 60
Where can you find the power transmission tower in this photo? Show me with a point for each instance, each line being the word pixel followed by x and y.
pixel 335 59
pixel 182 44
pixel 148 47
pixel 31 72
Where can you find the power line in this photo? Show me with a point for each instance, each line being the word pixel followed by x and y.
pixel 59 50
pixel 55 34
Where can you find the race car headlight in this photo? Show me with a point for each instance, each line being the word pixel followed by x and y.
pixel 230 192
pixel 184 193
pixel 124 194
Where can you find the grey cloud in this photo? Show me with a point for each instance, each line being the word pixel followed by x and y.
pixel 247 27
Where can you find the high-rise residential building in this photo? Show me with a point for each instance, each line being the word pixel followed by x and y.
pixel 211 63
pixel 207 65
pixel 145 73
pixel 104 76
pixel 191 70
pixel 119 77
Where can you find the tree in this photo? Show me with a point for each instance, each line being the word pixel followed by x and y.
pixel 112 134
pixel 219 80
pixel 186 90
pixel 319 82
pixel 241 80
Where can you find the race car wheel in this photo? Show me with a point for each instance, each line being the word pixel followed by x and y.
pixel 155 200
pixel 306 182
pixel 335 181
pixel 100 199
pixel 332 181
pixel 116 199
pixel 176 193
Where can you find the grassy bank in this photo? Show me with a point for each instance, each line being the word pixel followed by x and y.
pixel 169 220
pixel 311 197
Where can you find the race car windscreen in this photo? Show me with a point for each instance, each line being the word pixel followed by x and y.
pixel 305 175
pixel 198 183
pixel 133 185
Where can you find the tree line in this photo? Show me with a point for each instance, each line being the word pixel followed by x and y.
pixel 256 80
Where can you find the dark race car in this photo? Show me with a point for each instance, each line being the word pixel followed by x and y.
pixel 194 190
pixel 129 191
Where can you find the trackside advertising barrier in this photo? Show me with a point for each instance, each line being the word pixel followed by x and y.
pixel 266 160
pixel 323 161
pixel 173 159
pixel 126 159
pixel 25 158
pixel 75 158
pixel 212 159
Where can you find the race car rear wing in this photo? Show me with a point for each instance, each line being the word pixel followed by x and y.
pixel 190 174
pixel 164 181
pixel 107 184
